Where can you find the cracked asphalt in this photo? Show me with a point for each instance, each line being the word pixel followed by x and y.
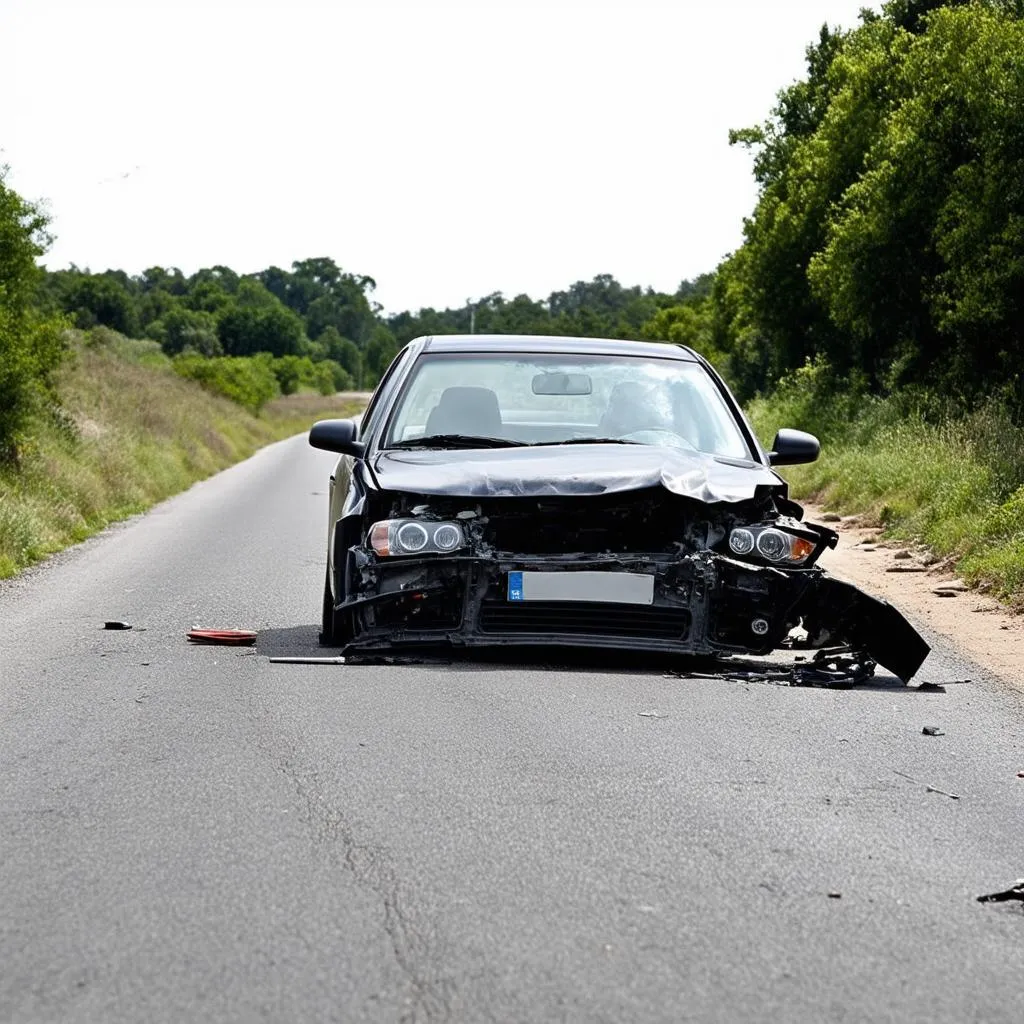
pixel 194 834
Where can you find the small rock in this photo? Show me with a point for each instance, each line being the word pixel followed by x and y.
pixel 831 517
pixel 944 593
pixel 932 730
pixel 954 585
pixel 906 568
pixel 867 547
pixel 902 554
pixel 929 558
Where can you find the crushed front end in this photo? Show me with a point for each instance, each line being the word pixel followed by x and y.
pixel 651 571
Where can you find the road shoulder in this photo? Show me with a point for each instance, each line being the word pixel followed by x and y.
pixel 929 595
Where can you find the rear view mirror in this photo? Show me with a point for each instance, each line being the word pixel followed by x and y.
pixel 336 436
pixel 793 448
pixel 562 384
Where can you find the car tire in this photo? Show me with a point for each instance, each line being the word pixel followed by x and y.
pixel 334 631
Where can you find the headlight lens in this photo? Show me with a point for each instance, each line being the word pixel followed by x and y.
pixel 741 541
pixel 773 545
pixel 392 537
pixel 412 537
pixel 447 537
pixel 776 546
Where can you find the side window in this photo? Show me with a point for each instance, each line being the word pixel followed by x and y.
pixel 378 403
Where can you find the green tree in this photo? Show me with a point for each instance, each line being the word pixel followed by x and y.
pixel 100 299
pixel 187 330
pixel 30 342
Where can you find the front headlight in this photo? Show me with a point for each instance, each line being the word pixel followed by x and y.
pixel 392 537
pixel 772 545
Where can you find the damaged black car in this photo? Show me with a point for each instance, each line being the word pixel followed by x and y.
pixel 578 492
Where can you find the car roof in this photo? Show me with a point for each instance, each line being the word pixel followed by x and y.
pixel 554 343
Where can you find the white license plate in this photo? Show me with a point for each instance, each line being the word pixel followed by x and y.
pixel 584 585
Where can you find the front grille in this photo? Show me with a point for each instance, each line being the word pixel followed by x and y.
pixel 585 618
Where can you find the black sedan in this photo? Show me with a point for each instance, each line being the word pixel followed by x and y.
pixel 581 492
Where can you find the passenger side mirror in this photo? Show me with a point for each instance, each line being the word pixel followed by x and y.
pixel 337 436
pixel 793 448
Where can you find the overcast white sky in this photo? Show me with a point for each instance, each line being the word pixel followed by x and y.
pixel 447 148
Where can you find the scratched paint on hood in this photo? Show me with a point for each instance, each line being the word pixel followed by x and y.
pixel 572 470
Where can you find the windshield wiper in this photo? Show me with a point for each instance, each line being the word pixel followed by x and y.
pixel 457 441
pixel 585 440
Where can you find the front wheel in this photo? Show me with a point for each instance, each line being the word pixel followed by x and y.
pixel 334 631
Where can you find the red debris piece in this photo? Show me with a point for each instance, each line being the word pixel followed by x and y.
pixel 222 636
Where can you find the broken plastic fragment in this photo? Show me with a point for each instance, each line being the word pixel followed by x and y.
pixel 1015 892
pixel 113 624
pixel 222 636
pixel 307 661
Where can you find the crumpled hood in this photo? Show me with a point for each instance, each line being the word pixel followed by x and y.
pixel 571 470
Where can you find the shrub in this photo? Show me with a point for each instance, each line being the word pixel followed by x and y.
pixel 249 381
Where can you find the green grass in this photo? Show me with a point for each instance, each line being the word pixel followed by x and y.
pixel 129 432
pixel 953 483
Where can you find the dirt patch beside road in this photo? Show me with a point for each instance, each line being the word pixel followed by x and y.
pixel 929 595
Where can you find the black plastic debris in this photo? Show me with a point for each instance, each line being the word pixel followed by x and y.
pixel 114 624
pixel 1015 892
pixel 932 730
pixel 835 668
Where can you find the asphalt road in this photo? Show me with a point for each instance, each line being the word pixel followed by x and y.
pixel 195 834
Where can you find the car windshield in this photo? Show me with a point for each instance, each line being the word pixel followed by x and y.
pixel 536 399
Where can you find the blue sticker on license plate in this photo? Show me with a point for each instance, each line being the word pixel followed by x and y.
pixel 515 586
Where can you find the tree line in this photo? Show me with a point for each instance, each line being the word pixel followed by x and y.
pixel 887 243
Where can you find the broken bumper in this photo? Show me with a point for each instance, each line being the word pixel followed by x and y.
pixel 705 604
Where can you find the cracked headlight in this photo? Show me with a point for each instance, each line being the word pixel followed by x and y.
pixel 392 537
pixel 771 545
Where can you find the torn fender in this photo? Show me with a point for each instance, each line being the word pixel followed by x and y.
pixel 867 624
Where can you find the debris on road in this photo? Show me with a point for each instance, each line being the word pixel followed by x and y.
pixel 927 788
pixel 651 714
pixel 307 661
pixel 114 624
pixel 944 593
pixel 1020 775
pixel 831 517
pixel 906 568
pixel 222 636
pixel 932 730
pixel 931 688
pixel 1015 892
pixel 836 668
pixel 835 895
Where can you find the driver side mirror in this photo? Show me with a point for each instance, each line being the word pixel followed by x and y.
pixel 337 436
pixel 793 448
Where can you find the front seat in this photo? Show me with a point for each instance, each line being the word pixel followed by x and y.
pixel 465 410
